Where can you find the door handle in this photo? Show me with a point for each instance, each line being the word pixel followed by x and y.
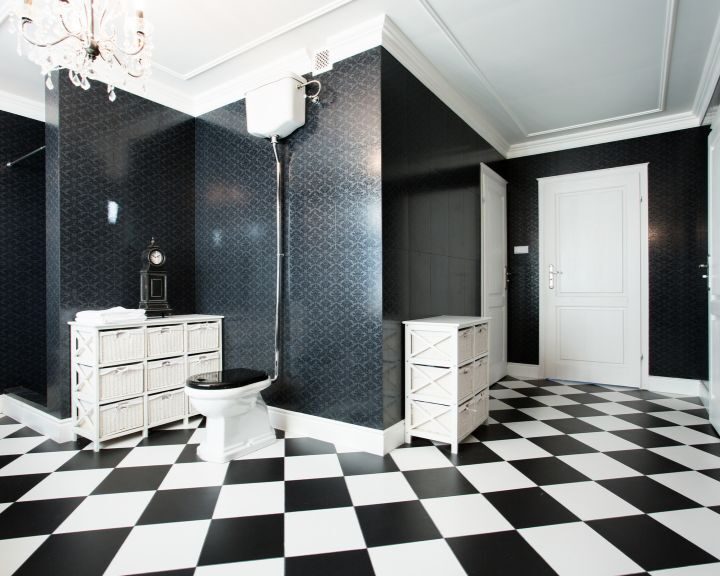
pixel 551 276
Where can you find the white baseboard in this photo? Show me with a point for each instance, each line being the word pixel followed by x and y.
pixel 42 422
pixel 705 394
pixel 529 371
pixel 362 438
pixel 674 385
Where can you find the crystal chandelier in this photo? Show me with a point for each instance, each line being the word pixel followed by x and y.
pixel 95 39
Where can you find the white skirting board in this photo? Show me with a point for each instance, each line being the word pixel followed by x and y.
pixel 42 422
pixel 523 371
pixel 674 385
pixel 705 394
pixel 378 442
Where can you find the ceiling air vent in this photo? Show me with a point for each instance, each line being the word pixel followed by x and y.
pixel 321 62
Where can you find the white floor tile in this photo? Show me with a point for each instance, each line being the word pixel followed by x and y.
pixel 322 531
pixel 675 404
pixel 575 548
pixel 316 466
pixel 195 475
pixel 4 506
pixel 699 525
pixel 516 384
pixel 368 489
pixel 685 455
pixel 516 449
pixel 275 450
pixel 590 501
pixel 532 429
pixel 614 397
pixel 269 567
pixel 701 570
pixel 67 484
pixel 198 436
pixel 157 547
pixel 502 393
pixel 465 515
pixel 107 511
pixel 7 429
pixel 129 441
pixel 544 413
pixel 252 499
pixel 609 423
pixel 598 466
pixel 15 551
pixel 613 408
pixel 495 476
pixel 680 418
pixel 696 486
pixel 10 446
pixel 419 458
pixel 563 389
pixel 152 456
pixel 427 558
pixel 604 441
pixel 499 405
pixel 685 435
pixel 40 463
pixel 555 400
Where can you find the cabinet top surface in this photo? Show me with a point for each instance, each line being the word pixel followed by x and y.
pixel 153 321
pixel 455 321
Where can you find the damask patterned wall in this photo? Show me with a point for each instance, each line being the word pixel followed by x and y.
pixel 22 246
pixel 139 155
pixel 677 211
pixel 333 317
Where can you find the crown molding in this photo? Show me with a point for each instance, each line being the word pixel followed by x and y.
pixel 625 131
pixel 22 106
pixel 710 75
pixel 161 93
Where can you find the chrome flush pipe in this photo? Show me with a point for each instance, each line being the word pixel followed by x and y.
pixel 280 255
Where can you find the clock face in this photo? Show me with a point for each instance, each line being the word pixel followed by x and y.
pixel 156 257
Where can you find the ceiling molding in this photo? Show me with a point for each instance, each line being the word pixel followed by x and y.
pixel 710 75
pixel 330 7
pixel 395 42
pixel 22 106
pixel 5 11
pixel 625 131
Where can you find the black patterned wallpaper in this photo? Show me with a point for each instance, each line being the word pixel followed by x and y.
pixel 677 213
pixel 131 152
pixel 333 310
pixel 22 241
pixel 431 215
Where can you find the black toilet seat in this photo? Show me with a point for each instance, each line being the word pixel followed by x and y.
pixel 226 379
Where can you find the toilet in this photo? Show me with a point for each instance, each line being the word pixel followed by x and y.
pixel 237 417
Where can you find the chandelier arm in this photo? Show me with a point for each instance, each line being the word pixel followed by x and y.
pixel 126 71
pixel 49 44
pixel 67 28
pixel 136 52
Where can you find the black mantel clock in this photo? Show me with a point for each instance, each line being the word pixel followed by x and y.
pixel 153 281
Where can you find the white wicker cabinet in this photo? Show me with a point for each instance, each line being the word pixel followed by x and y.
pixel 446 377
pixel 129 377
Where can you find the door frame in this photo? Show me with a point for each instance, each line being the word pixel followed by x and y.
pixel 642 173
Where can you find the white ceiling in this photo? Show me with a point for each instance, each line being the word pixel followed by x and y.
pixel 529 75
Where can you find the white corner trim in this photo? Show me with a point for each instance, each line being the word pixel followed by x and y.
pixel 22 106
pixel 682 386
pixel 341 433
pixel 705 394
pixel 521 371
pixel 646 127
pixel 46 424
pixel 709 76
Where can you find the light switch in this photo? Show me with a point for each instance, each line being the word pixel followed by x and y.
pixel 520 249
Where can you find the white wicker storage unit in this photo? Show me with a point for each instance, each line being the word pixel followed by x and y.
pixel 446 377
pixel 129 377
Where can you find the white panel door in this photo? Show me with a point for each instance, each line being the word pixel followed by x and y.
pixel 590 276
pixel 714 274
pixel 494 267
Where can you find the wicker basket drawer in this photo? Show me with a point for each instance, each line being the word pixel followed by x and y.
pixel 481 339
pixel 165 340
pixel 121 417
pixel 435 384
pixel 166 406
pixel 201 363
pixel 168 373
pixel 480 374
pixel 447 347
pixel 121 381
pixel 122 345
pixel 203 336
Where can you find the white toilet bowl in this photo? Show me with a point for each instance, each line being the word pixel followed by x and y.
pixel 237 417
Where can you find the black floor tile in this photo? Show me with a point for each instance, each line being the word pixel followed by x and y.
pixel 243 539
pixel 647 462
pixel 579 410
pixel 396 523
pixel 67 554
pixel 307 447
pixel 36 517
pixel 546 471
pixel 52 446
pixel 5 460
pixel 439 482
pixel 505 416
pixel 643 406
pixel 24 432
pixel 350 563
pixel 498 554
pixel 705 429
pixel 489 432
pixel 699 412
pixel 541 383
pixel 587 399
pixel 533 392
pixel 255 470
pixel 189 455
pixel 167 437
pixel 526 402
pixel 650 544
pixel 561 445
pixel 416 442
pixel 355 463
pixel 589 388
pixel 316 494
pixel 6 421
pixel 279 434
pixel 181 505
pixel 571 425
pixel 470 453
pixel 645 438
pixel 644 394
pixel 132 479
pixel 712 473
pixel 180 572
pixel 647 495
pixel 530 507
pixel 87 459
pixel 12 488
pixel 645 420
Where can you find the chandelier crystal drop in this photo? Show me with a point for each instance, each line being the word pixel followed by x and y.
pixel 93 39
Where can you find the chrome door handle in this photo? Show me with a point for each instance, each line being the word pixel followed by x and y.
pixel 551 276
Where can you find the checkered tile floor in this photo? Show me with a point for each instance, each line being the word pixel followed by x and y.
pixel 572 480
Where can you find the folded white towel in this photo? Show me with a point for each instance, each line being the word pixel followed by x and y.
pixel 116 314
